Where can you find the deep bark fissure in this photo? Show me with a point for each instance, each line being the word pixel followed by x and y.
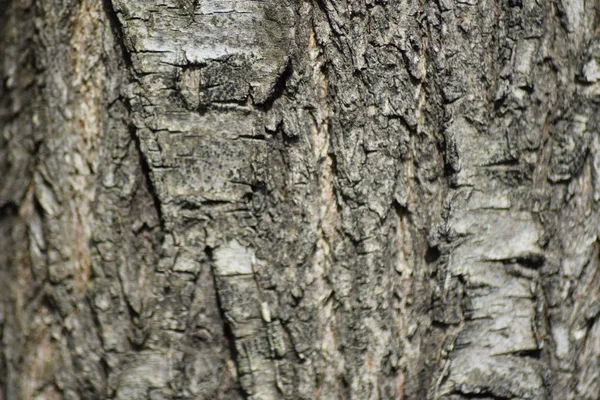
pixel 146 172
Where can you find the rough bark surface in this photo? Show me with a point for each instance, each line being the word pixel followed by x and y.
pixel 299 199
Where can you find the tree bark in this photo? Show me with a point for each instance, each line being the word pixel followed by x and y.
pixel 300 199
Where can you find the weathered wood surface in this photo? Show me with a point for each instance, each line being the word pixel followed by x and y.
pixel 278 199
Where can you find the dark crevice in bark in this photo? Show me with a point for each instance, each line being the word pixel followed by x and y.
pixel 483 395
pixel 530 261
pixel 4 7
pixel 138 336
pixel 146 173
pixel 98 330
pixel 511 162
pixel 106 370
pixel 278 89
pixel 444 326
pixel 432 254
pixel 51 303
pixel 8 209
pixel 117 29
pixel 323 8
pixel 400 118
pixel 206 205
pixel 251 137
pixel 533 261
pixel 400 209
pixel 533 353
pixel 345 392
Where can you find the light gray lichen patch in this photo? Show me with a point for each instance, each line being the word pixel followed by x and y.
pixel 233 259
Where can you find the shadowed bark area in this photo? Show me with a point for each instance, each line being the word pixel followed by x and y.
pixel 244 199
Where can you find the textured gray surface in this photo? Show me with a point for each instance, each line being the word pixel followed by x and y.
pixel 220 199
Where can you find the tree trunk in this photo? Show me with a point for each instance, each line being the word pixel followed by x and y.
pixel 300 199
